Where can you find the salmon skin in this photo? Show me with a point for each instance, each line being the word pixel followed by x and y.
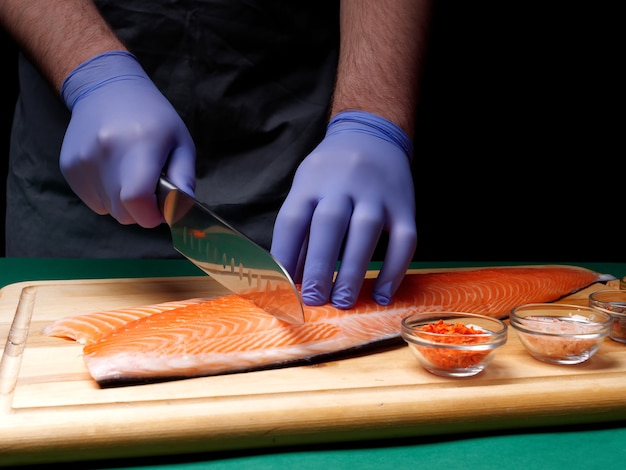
pixel 230 334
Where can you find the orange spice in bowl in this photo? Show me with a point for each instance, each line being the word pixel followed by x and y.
pixel 453 344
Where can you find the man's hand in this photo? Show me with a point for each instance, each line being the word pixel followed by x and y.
pixel 354 185
pixel 122 134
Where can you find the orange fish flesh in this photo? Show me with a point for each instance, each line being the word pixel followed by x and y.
pixel 90 328
pixel 231 334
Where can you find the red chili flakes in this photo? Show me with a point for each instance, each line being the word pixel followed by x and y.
pixel 444 328
pixel 453 333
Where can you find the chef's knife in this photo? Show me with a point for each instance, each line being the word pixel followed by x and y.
pixel 228 256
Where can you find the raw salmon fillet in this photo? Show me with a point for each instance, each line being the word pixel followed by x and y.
pixel 90 328
pixel 230 334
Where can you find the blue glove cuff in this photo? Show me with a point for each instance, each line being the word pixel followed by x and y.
pixel 371 124
pixel 98 71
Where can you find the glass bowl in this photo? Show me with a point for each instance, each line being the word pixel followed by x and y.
pixel 453 344
pixel 612 302
pixel 560 333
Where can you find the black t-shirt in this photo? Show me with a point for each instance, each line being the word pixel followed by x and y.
pixel 252 80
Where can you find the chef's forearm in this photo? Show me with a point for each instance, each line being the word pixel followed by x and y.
pixel 57 35
pixel 382 47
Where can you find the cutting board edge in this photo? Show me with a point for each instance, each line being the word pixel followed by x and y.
pixel 383 415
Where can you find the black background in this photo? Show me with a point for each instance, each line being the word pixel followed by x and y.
pixel 9 88
pixel 517 156
pixel 516 150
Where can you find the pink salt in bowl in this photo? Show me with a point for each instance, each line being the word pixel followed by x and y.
pixel 560 333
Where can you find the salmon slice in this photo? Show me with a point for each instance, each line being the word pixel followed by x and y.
pixel 231 334
pixel 91 327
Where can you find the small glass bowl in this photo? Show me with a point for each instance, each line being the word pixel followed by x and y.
pixel 560 333
pixel 612 302
pixel 453 354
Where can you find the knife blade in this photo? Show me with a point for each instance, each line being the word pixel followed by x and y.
pixel 227 255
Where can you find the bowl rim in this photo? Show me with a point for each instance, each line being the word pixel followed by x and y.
pixel 610 291
pixel 603 325
pixel 496 337
pixel 620 315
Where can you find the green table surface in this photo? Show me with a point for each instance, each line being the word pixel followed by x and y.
pixel 588 446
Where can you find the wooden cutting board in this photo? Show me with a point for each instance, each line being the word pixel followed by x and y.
pixel 51 410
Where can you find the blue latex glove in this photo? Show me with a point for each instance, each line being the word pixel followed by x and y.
pixel 355 184
pixel 121 135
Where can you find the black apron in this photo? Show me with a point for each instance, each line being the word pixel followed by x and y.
pixel 251 79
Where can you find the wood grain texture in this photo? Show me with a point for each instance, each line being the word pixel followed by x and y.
pixel 51 409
